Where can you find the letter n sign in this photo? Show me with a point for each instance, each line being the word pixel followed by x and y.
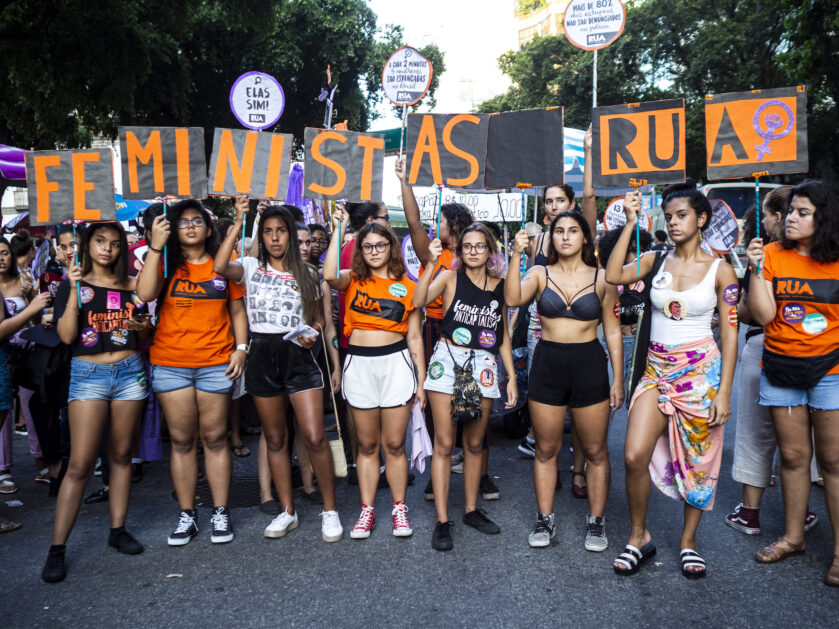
pixel 638 141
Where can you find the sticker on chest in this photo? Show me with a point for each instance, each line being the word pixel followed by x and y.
pixel 663 280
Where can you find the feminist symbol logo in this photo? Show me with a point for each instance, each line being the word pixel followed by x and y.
pixel 773 122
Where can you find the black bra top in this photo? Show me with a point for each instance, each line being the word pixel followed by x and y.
pixel 552 303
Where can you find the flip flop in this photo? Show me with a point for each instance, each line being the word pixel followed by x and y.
pixel 633 558
pixel 691 559
pixel 241 450
pixel 7 484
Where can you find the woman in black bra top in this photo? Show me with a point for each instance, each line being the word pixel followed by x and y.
pixel 569 367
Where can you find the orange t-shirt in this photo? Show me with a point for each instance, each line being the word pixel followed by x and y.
pixel 193 327
pixel 434 310
pixel 806 293
pixel 378 304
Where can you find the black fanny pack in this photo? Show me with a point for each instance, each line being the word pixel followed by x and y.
pixel 797 372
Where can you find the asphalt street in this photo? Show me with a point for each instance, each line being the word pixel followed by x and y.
pixel 487 581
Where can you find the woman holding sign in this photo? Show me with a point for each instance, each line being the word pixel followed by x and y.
pixel 569 366
pixel 793 295
pixel 474 329
pixel 194 358
pixel 384 369
pixel 286 318
pixel 682 398
pixel 97 315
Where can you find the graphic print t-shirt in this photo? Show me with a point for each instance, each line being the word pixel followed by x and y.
pixel 273 298
pixel 378 304
pixel 806 293
pixel 193 328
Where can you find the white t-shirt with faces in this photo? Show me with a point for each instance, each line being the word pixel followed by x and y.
pixel 273 300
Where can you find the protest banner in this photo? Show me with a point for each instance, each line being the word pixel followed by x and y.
pixel 158 161
pixel 525 147
pixel 639 140
pixel 70 185
pixel 723 232
pixel 484 206
pixel 343 165
pixel 447 149
pixel 249 162
pixel 757 131
pixel 615 218
pixel 593 25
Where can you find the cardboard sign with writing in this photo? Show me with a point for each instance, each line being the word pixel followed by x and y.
pixel 640 141
pixel 757 131
pixel 525 147
pixel 447 149
pixel 248 162
pixel 70 185
pixel 343 165
pixel 158 161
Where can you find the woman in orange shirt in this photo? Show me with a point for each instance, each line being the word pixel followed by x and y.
pixel 384 370
pixel 795 297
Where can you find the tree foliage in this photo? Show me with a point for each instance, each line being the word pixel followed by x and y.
pixel 687 49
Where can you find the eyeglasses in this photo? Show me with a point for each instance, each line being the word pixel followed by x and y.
pixel 319 241
pixel 479 248
pixel 384 217
pixel 379 247
pixel 183 223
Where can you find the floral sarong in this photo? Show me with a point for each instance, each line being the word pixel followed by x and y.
pixel 686 460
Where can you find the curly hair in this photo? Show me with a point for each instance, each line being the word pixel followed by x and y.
pixel 458 217
pixel 587 252
pixel 688 190
pixel 825 242
pixel 607 242
pixel 395 265
pixel 495 262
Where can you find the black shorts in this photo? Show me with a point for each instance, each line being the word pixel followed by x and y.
pixel 569 374
pixel 276 367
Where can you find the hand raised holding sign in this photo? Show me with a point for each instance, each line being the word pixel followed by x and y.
pixel 74 274
pixel 755 254
pixel 160 230
pixel 241 207
pixel 339 216
pixel 435 250
pixel 520 242
pixel 632 207
pixel 400 169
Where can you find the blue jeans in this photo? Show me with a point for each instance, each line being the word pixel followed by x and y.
pixel 207 379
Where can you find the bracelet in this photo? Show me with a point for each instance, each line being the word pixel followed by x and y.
pixel 155 250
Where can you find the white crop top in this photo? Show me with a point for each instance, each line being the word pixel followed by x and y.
pixel 684 316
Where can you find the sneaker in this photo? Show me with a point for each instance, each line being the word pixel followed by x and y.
pixel 364 524
pixel 543 532
pixel 281 525
pixel 42 476
pixel 488 489
pixel 54 570
pixel 457 455
pixel 330 527
pixel 441 539
pixel 596 540
pixel 401 526
pixel 222 528
pixel 428 492
pixel 527 447
pixel 744 519
pixel 97 470
pixel 811 520
pixel 100 495
pixel 124 542
pixel 187 529
pixel 478 519
pixel 22 430
pixel 457 468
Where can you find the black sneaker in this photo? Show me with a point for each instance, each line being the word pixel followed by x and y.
pixel 222 529
pixel 124 542
pixel 527 447
pixel 488 489
pixel 187 529
pixel 442 537
pixel 100 495
pixel 54 570
pixel 478 519
pixel 429 491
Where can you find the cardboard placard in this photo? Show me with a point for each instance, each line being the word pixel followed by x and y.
pixel 70 185
pixel 496 207
pixel 757 131
pixel 525 147
pixel 447 149
pixel 723 232
pixel 406 76
pixel 158 161
pixel 248 162
pixel 615 217
pixel 343 165
pixel 639 140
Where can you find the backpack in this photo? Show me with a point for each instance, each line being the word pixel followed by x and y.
pixel 466 395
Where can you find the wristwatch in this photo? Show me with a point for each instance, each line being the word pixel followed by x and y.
pixel 242 347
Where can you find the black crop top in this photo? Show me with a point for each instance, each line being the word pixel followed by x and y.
pixel 474 318
pixel 552 303
pixel 101 318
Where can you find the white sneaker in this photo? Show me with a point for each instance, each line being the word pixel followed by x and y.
pixel 331 529
pixel 281 525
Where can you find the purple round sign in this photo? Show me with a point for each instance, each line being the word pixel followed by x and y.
pixel 257 100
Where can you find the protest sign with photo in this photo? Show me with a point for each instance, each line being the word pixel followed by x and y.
pixel 723 232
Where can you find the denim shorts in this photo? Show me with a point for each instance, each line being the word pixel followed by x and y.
pixel 6 398
pixel 123 381
pixel 824 396
pixel 207 379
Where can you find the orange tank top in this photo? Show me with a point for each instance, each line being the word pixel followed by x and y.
pixel 378 304
pixel 434 310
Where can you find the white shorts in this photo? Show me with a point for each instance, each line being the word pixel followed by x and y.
pixel 440 376
pixel 379 377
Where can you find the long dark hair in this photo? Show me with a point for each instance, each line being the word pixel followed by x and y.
pixel 21 243
pixel 175 255
pixel 587 252
pixel 495 261
pixel 13 270
pixel 304 273
pixel 825 241
pixel 119 267
pixel 395 265
pixel 566 188
pixel 688 190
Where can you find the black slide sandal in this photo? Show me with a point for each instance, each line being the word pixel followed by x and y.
pixel 691 559
pixel 633 558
